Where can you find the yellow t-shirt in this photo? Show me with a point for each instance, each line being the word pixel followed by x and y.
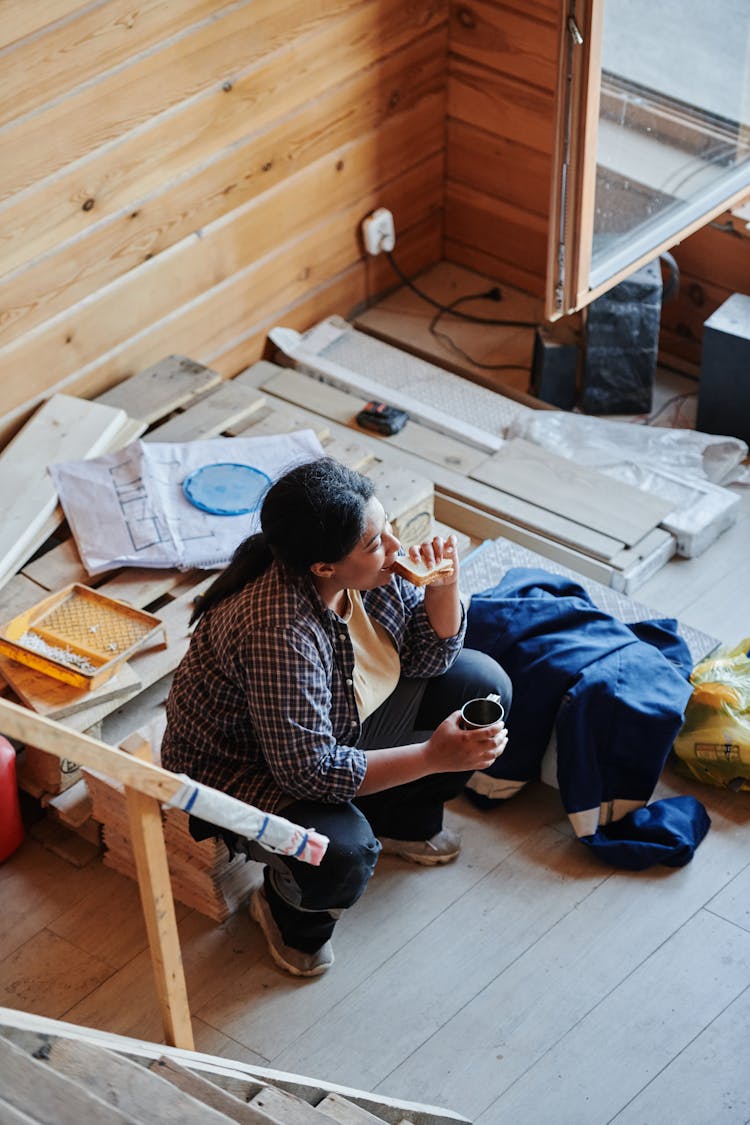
pixel 377 666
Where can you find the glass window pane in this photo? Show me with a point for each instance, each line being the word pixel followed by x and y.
pixel 674 121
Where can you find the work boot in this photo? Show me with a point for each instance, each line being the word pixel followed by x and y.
pixel 292 960
pixel 442 848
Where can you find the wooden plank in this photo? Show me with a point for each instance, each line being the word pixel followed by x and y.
pixel 64 428
pixel 33 1086
pixel 511 234
pixel 501 104
pixel 346 1112
pixel 135 1089
pixel 483 525
pixel 58 567
pixel 55 699
pixel 276 419
pixel 234 1075
pixel 26 547
pixel 319 367
pixel 343 404
pixel 230 404
pixel 24 19
pixel 152 866
pixel 559 485
pixel 140 587
pixel 408 501
pixel 158 390
pixel 286 1109
pixel 513 43
pixel 86 46
pixel 209 1093
pixel 497 166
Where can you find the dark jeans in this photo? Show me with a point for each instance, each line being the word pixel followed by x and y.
pixel 305 900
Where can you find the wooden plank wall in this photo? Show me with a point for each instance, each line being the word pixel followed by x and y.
pixel 176 178
pixel 502 73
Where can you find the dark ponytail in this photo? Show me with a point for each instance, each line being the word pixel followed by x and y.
pixel 314 513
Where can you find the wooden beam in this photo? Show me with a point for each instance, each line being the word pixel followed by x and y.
pixel 157 903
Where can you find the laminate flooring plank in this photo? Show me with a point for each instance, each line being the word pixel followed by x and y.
pixel 515 1023
pixel 575 491
pixel 733 901
pixel 63 428
pixel 227 405
pixel 603 1062
pixel 58 567
pixel 116 934
pixel 711 588
pixel 36 887
pixel 706 1082
pixel 48 975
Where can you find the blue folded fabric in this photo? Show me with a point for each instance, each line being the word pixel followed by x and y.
pixel 666 832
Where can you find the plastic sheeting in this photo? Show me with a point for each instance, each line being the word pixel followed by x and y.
pixel 601 443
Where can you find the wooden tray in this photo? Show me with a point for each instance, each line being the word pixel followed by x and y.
pixel 78 635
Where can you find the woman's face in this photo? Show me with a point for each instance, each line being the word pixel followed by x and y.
pixel 368 564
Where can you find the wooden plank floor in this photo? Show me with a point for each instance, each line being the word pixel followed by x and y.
pixel 526 983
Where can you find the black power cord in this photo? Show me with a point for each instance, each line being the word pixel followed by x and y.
pixel 493 294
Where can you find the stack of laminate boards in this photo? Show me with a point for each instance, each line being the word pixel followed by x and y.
pixel 203 874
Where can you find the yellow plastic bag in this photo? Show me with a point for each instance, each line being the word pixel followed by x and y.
pixel 714 742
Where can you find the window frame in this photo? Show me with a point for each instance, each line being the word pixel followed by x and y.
pixel 572 206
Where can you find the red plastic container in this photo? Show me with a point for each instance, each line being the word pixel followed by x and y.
pixel 11 826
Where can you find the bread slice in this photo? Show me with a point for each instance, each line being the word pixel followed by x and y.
pixel 418 573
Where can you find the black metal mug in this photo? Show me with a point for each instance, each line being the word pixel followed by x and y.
pixel 482 712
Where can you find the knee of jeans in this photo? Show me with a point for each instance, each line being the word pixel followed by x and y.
pixel 350 867
pixel 489 677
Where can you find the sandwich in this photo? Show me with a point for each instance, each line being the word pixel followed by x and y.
pixel 418 573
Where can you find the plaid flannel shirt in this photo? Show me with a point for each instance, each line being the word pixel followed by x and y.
pixel 262 705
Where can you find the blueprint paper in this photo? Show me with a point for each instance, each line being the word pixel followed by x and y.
pixel 128 508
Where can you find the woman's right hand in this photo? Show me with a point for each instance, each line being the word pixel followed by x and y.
pixel 451 749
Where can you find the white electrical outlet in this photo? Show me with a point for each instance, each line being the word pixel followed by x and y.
pixel 378 231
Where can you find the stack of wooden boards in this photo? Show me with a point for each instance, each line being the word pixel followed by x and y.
pixel 176 400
